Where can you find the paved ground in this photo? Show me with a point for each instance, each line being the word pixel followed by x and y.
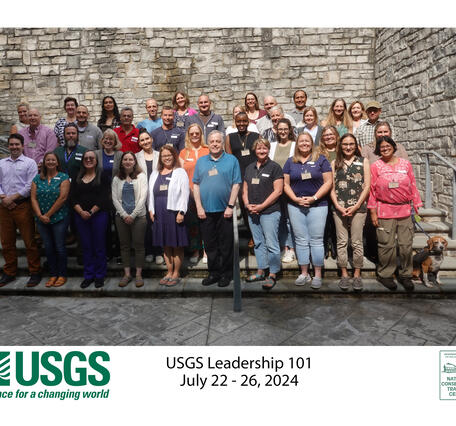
pixel 209 320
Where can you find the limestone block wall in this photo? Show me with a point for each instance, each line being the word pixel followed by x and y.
pixel 415 77
pixel 43 66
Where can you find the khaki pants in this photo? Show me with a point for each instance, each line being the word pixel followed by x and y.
pixel 387 232
pixel 132 235
pixel 356 223
pixel 20 218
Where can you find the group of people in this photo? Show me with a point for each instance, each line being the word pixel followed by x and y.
pixel 304 187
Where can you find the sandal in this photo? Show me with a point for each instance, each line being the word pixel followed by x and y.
pixel 50 282
pixel 60 281
pixel 164 281
pixel 139 282
pixel 125 280
pixel 255 277
pixel 173 281
pixel 269 283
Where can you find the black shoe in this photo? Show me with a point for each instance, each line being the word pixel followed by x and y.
pixel 406 283
pixel 6 279
pixel 388 283
pixel 224 282
pixel 211 279
pixel 87 282
pixel 34 280
pixel 99 282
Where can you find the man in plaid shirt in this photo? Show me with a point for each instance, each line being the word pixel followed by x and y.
pixel 365 132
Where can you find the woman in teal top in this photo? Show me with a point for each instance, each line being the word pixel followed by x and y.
pixel 48 194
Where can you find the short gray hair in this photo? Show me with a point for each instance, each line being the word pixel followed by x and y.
pixel 127 109
pixel 216 132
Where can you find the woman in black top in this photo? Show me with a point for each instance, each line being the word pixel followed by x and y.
pixel 110 117
pixel 90 199
pixel 240 144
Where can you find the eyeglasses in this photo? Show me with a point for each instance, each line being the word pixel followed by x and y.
pixel 348 145
pixel 194 133
pixel 89 158
pixel 167 156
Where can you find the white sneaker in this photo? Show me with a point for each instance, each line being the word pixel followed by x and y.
pixel 288 256
pixel 149 258
pixel 204 259
pixel 303 279
pixel 159 260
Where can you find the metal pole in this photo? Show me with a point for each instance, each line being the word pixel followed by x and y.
pixel 453 229
pixel 428 195
pixel 237 294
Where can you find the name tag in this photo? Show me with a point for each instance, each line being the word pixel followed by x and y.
pixel 214 123
pixel 393 185
pixel 189 159
pixel 174 136
pixel 255 181
pixel 265 175
pixel 32 145
pixel 213 172
pixel 78 155
pixel 169 144
pixel 111 161
pixel 357 163
pixel 210 125
pixel 134 139
pixel 56 178
pixel 343 184
pixel 163 187
pixel 168 178
pixel 245 152
pixel 89 137
pixel 402 171
pixel 306 175
pixel 78 158
pixel 311 162
pixel 180 124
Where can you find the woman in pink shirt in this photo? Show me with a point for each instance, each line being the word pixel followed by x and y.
pixel 393 190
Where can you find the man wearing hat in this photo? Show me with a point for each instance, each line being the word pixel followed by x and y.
pixel 365 132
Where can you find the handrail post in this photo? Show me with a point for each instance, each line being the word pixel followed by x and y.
pixel 428 193
pixel 453 229
pixel 237 294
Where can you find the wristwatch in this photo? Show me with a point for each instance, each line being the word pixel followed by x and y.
pixel 231 206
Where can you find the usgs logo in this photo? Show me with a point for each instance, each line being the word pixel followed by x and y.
pixel 51 368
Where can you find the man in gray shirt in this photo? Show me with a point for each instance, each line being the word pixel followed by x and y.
pixel 265 122
pixel 207 120
pixel 299 99
pixel 89 134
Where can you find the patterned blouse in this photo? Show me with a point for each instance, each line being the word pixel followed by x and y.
pixel 349 184
pixel 47 194
pixel 59 128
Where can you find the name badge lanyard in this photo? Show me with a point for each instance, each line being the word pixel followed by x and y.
pixel 68 157
pixel 243 143
pixel 305 174
pixel 166 137
pixel 256 179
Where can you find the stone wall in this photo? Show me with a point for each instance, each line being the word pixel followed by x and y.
pixel 415 77
pixel 42 66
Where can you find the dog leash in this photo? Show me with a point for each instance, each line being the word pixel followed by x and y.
pixel 415 222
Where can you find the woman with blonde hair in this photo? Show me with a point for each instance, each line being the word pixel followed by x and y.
pixel 310 124
pixel 252 108
pixel 195 147
pixel 22 112
pixel 338 117
pixel 357 113
pixel 307 182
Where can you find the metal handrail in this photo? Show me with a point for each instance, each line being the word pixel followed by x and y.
pixel 428 194
pixel 237 293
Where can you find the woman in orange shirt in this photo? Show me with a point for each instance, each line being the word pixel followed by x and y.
pixel 195 148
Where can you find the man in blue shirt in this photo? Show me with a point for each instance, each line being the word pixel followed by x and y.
pixel 168 133
pixel 217 179
pixel 154 121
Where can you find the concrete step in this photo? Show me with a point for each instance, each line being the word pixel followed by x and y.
pixel 434 228
pixel 192 287
pixel 433 215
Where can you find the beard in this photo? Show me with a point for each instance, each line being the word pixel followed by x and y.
pixel 70 143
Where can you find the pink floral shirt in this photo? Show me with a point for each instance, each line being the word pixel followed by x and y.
pixel 392 189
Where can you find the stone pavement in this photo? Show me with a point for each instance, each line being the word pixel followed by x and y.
pixel 267 319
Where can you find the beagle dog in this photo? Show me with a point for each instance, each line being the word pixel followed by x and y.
pixel 428 261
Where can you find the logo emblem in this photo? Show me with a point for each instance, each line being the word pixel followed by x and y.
pixel 4 368
pixel 447 373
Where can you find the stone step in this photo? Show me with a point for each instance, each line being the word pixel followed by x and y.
pixel 192 287
pixel 434 228
pixel 433 215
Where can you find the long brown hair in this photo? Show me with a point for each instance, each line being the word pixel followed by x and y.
pixel 339 162
pixel 322 149
pixel 171 149
pixel 122 174
pixel 43 173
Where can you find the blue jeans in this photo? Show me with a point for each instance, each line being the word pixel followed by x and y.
pixel 286 237
pixel 53 236
pixel 308 228
pixel 265 232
